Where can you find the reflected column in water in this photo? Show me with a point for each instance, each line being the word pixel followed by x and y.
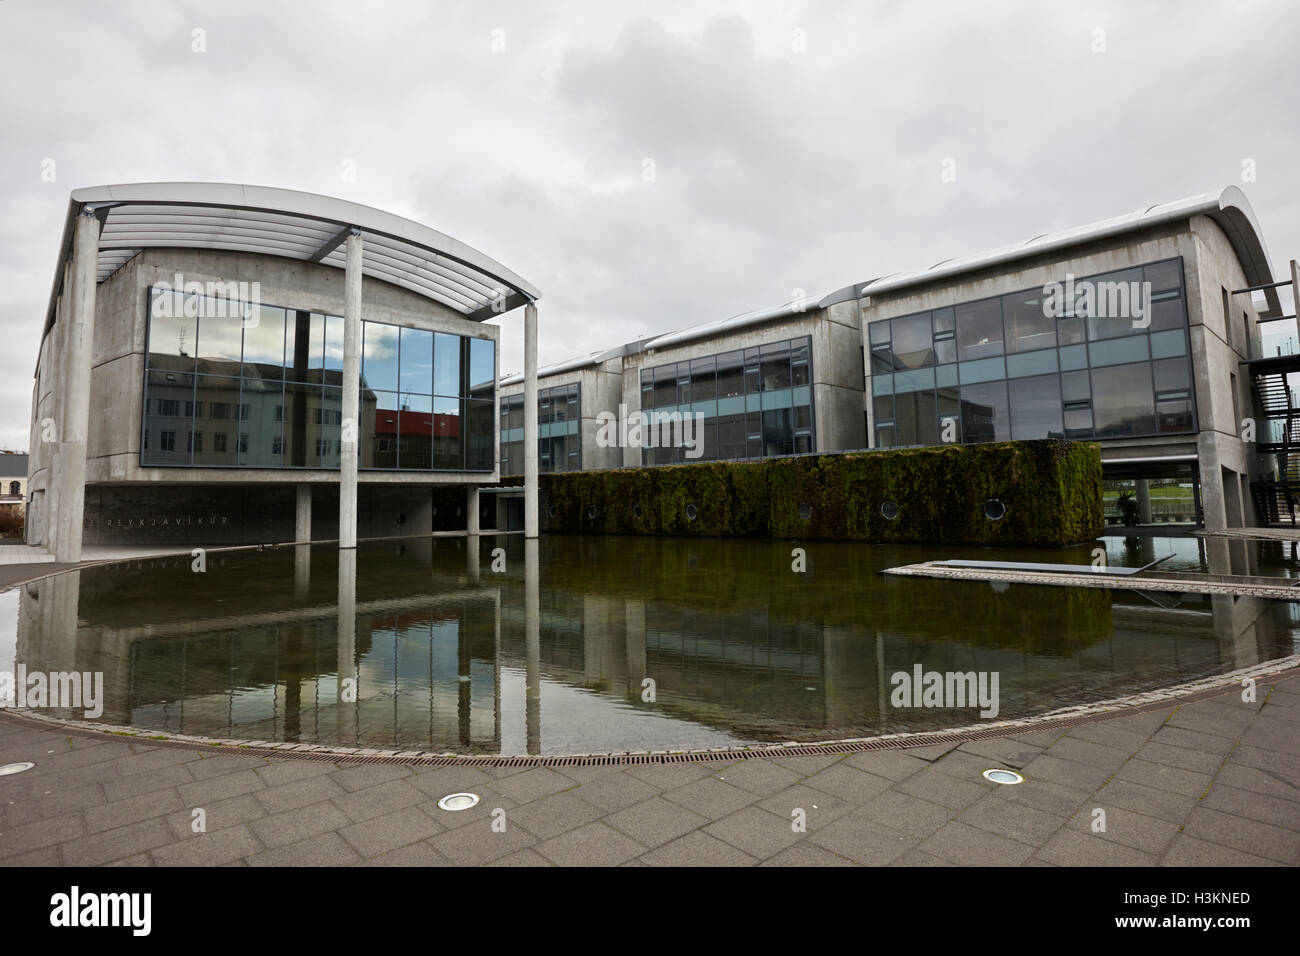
pixel 348 676
pixel 532 646
pixel 301 570
pixel 472 558
pixel 634 612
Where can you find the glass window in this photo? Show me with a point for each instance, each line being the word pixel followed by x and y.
pixel 800 372
pixel 220 341
pixel 334 343
pixel 1075 387
pixel 1163 276
pixel 1035 407
pixel 304 345
pixel 448 449
pixel 219 397
pixel 731 380
pixel 984 412
pixel 417 431
pixel 379 356
pixel 1175 415
pixel 482 368
pixel 703 379
pixel 776 366
pixel 753 372
pixel 916 419
pixel 378 429
pixel 665 386
pixel 1110 302
pixel 1122 401
pixel 264 344
pixel 979 329
pixel 912 344
pixel 1029 327
pixel 415 366
pixel 1071 331
pixel 1133 348
pixel 879 332
pixel 1171 375
pixel 262 422
pixel 447 364
pixel 172 334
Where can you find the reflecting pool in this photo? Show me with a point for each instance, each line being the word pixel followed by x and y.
pixel 582 644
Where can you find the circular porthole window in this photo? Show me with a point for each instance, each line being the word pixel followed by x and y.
pixel 458 801
pixel 691 512
pixel 805 510
pixel 889 511
pixel 591 511
pixel 994 509
pixel 550 511
pixel 401 519
pixel 636 512
pixel 1008 777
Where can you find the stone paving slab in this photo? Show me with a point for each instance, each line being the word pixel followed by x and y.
pixel 1212 781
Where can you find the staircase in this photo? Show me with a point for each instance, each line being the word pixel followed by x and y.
pixel 1277 497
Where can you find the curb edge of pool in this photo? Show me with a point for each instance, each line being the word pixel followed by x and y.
pixel 1202 689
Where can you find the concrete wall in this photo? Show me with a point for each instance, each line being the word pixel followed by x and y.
pixel 837 370
pixel 600 390
pixel 1217 347
pixel 121 322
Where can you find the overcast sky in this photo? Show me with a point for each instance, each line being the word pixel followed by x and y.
pixel 650 166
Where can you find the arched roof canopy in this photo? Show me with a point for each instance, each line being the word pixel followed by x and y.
pixel 295 225
pixel 1229 208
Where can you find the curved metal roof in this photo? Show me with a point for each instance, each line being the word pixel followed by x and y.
pixel 295 225
pixel 1229 208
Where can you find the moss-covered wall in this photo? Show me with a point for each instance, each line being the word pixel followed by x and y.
pixel 1051 491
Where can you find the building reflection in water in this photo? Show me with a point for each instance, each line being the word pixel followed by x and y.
pixel 420 645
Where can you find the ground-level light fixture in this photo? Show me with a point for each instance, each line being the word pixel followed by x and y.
pixel 458 801
pixel 12 768
pixel 1008 777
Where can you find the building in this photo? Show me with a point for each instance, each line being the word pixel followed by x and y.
pixel 239 364
pixel 13 479
pixel 1140 332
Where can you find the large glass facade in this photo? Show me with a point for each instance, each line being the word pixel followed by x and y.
pixel 756 402
pixel 227 388
pixel 559 430
pixel 1018 367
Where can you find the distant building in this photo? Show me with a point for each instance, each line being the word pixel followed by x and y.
pixel 13 479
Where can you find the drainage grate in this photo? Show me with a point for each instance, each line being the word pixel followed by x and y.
pixel 633 759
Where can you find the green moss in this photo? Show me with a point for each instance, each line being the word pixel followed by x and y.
pixel 1051 491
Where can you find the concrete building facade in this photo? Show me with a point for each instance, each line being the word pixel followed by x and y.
pixel 973 349
pixel 232 364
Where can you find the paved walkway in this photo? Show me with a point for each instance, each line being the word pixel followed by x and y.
pixel 1212 782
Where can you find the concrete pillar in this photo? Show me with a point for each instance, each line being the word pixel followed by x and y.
pixel 48 530
pixel 348 455
pixel 70 460
pixel 530 421
pixel 302 515
pixel 1143 494
pixel 471 510
pixel 532 647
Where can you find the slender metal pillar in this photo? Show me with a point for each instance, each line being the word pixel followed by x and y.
pixel 530 420
pixel 348 457
pixel 70 460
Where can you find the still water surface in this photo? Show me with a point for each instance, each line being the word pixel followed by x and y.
pixel 558 652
